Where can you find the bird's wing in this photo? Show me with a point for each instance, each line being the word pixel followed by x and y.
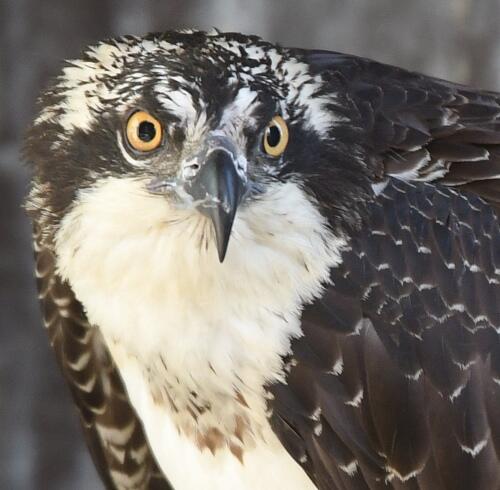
pixel 398 371
pixel 420 127
pixel 112 430
pixel 396 380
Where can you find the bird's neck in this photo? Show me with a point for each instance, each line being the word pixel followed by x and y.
pixel 204 338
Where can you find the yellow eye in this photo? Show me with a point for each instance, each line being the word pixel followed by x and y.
pixel 276 137
pixel 144 132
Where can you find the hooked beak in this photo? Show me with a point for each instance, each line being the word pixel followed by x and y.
pixel 217 189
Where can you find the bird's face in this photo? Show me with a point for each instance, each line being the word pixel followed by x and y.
pixel 203 125
pixel 207 156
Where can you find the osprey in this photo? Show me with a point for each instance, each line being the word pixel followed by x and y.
pixel 271 268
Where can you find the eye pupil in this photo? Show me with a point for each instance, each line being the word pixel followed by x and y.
pixel 273 136
pixel 146 131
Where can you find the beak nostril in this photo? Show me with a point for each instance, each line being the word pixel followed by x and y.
pixel 190 170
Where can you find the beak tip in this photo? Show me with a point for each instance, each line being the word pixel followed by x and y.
pixel 222 255
pixel 222 228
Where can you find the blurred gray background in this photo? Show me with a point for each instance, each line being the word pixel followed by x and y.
pixel 40 441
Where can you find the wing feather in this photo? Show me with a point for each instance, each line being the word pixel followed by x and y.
pixel 422 128
pixel 411 320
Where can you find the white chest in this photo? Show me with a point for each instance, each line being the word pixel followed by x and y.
pixel 178 322
pixel 263 466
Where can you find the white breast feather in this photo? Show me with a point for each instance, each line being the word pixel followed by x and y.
pixel 176 320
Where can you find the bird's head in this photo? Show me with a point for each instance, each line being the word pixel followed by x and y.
pixel 201 126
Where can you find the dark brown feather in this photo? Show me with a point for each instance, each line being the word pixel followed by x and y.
pixel 416 405
pixel 422 127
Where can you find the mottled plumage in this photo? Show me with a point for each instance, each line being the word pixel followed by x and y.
pixel 227 317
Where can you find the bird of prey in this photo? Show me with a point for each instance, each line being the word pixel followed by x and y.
pixel 271 268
